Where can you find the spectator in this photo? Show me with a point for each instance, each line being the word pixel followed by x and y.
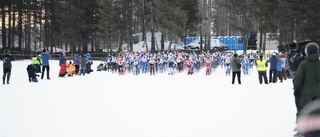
pixel 76 61
pixel 236 70
pixel 273 68
pixel 306 82
pixel 36 61
pixel 262 70
pixel 7 66
pixel 45 56
pixel 82 65
pixel 32 76
pixel 62 58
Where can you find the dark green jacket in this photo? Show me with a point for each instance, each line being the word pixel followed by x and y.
pixel 307 80
pixel 234 62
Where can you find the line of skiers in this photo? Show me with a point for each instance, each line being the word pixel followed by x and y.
pixel 175 62
pixel 165 62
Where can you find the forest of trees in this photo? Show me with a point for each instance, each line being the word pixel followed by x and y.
pixel 92 25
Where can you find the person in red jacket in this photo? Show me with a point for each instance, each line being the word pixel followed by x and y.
pixel 63 69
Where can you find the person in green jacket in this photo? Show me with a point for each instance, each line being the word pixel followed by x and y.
pixel 307 78
pixel 36 61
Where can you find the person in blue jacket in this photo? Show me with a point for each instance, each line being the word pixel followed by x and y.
pixel 88 62
pixel 279 69
pixel 273 68
pixel 62 58
pixel 76 61
pixel 45 56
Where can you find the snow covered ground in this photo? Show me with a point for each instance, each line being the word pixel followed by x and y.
pixel 102 104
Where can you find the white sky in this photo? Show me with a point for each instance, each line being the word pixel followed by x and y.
pixel 102 104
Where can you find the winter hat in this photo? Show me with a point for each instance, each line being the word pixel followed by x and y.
pixel 309 120
pixel 7 51
pixel 235 55
pixel 311 48
pixel 261 57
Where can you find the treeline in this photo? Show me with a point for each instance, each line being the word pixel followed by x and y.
pixel 286 21
pixel 92 25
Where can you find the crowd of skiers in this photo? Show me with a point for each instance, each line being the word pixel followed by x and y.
pixel 156 63
pixel 176 62
pixel 137 63
pixel 302 66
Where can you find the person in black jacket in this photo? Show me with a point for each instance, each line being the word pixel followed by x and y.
pixel 7 66
pixel 298 59
pixel 293 68
pixel 31 69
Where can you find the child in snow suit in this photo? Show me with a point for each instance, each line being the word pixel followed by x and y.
pixel 71 69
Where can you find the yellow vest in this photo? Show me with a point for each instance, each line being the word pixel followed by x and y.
pixel 261 65
pixel 35 60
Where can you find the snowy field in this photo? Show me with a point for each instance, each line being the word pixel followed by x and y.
pixel 102 104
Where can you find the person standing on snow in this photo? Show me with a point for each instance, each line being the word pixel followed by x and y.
pixel 294 66
pixel 45 56
pixel 306 83
pixel 262 70
pixel 280 69
pixel 82 65
pixel 88 63
pixel 283 59
pixel 62 59
pixel 235 69
pixel 7 66
pixel 273 68
pixel 76 61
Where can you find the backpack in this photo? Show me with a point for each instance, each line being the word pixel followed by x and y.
pixel 238 64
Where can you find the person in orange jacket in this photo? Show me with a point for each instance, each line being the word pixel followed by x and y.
pixel 71 69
